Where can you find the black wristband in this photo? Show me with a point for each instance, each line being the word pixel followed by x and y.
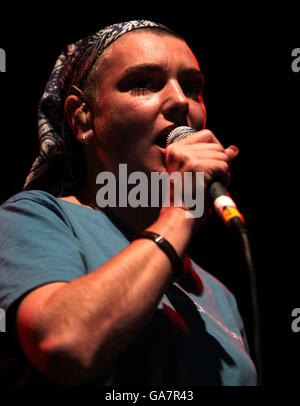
pixel 167 248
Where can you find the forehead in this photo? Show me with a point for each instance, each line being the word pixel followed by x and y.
pixel 142 47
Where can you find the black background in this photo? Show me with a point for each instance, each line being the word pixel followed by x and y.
pixel 252 100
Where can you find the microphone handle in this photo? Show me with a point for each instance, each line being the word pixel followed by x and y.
pixel 216 189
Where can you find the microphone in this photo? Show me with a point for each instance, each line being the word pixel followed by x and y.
pixel 222 201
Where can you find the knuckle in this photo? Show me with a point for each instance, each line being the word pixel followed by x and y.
pixel 175 154
pixel 224 166
pixel 192 165
pixel 208 136
pixel 171 152
pixel 207 132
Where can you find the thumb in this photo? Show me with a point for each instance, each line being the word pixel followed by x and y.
pixel 231 152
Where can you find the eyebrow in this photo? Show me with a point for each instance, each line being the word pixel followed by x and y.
pixel 195 74
pixel 141 68
pixel 146 68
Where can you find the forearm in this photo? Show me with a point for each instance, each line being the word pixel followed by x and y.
pixel 89 321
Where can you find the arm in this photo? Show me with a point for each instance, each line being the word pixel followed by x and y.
pixel 80 326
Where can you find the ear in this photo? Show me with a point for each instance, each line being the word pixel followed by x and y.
pixel 79 118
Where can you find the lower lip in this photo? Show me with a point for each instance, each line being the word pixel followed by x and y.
pixel 163 150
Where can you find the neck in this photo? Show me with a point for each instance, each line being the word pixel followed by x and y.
pixel 135 219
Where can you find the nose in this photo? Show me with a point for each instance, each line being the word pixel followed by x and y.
pixel 176 104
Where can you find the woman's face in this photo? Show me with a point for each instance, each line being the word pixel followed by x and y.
pixel 149 85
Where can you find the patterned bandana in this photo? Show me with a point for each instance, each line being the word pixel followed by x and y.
pixel 59 150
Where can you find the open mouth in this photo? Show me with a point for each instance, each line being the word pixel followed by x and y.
pixel 161 140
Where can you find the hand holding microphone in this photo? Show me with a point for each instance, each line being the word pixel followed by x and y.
pixel 202 152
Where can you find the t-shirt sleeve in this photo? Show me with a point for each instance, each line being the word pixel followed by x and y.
pixel 37 246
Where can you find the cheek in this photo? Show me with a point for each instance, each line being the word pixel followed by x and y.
pixel 198 115
pixel 203 108
pixel 124 121
pixel 130 118
pixel 140 112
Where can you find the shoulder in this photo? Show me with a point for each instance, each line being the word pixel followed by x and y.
pixel 37 202
pixel 34 197
pixel 38 245
pixel 33 207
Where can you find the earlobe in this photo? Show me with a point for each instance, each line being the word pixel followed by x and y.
pixel 85 130
pixel 86 136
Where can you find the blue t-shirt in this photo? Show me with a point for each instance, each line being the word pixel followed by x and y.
pixel 196 336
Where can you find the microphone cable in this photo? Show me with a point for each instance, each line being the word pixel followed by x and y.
pixel 255 306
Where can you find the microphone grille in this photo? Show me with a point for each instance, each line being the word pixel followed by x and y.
pixel 178 133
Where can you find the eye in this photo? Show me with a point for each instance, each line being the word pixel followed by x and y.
pixel 142 86
pixel 146 84
pixel 192 90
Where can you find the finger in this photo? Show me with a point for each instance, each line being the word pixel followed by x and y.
pixel 202 136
